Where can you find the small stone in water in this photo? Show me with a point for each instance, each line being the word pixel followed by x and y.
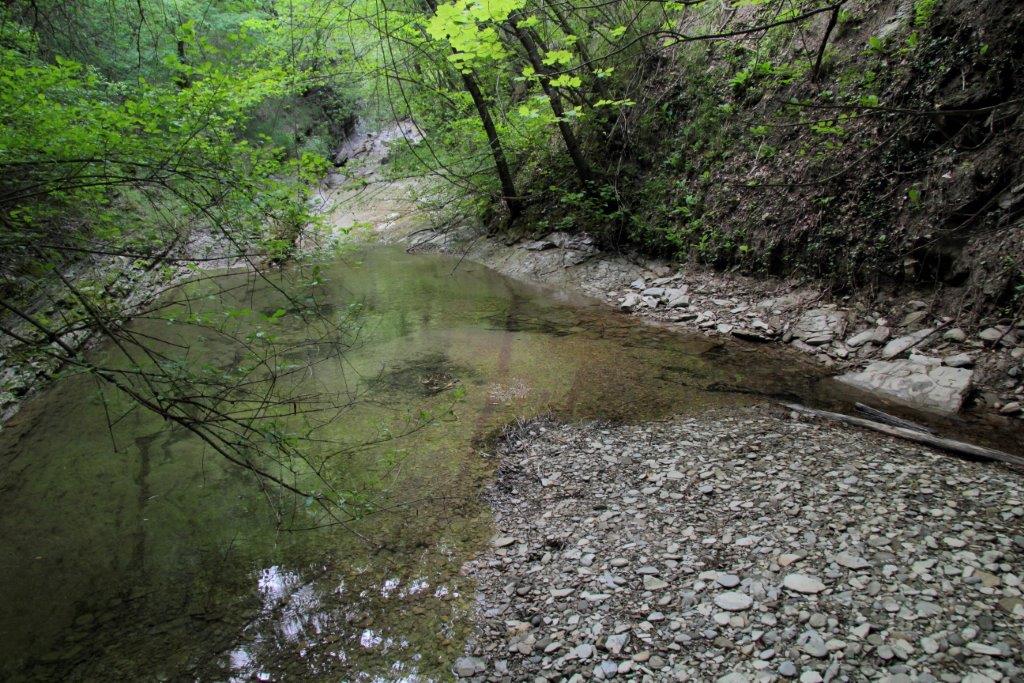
pixel 466 667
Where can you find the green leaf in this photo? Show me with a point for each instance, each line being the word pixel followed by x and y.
pixel 553 57
pixel 567 81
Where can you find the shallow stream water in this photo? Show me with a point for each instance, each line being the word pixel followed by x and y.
pixel 134 552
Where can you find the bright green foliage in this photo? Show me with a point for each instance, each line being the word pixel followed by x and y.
pixel 174 109
pixel 923 11
pixel 469 27
pixel 138 161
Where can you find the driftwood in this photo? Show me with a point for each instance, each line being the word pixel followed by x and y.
pixel 879 416
pixel 916 436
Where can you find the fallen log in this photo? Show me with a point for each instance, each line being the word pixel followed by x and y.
pixel 915 436
pixel 886 418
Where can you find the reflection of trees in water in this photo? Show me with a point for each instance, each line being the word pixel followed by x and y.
pixel 235 361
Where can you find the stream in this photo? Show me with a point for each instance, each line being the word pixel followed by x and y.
pixel 134 552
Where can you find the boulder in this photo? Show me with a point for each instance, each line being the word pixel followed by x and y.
pixel 820 326
pixel 992 334
pixel 630 302
pixel 676 297
pixel 960 360
pixel 878 335
pixel 955 335
pixel 860 339
pixel 1001 334
pixel 932 387
pixel 906 342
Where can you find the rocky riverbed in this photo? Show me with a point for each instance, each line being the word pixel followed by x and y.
pixel 745 546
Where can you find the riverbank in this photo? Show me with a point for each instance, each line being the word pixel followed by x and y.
pixel 903 350
pixel 745 545
pixel 129 285
pixel 898 349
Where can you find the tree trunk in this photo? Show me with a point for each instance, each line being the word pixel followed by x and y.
pixel 508 188
pixel 181 80
pixel 832 20
pixel 571 144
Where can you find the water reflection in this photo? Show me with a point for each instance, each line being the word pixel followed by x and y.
pixel 294 612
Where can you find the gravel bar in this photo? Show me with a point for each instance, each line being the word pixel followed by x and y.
pixel 747 545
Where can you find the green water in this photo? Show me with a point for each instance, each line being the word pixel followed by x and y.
pixel 137 553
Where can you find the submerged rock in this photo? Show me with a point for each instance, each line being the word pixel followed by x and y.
pixel 466 667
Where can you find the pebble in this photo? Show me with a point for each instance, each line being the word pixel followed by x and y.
pixel 728 580
pixel 955 335
pixel 1011 408
pixel 851 561
pixel 733 601
pixel 614 644
pixel 803 583
pixel 653 583
pixel 983 649
pixel 787 669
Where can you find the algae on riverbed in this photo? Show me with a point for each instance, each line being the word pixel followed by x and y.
pixel 160 560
